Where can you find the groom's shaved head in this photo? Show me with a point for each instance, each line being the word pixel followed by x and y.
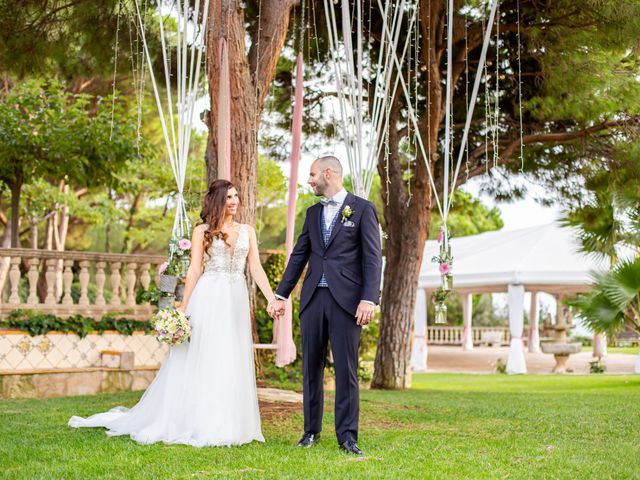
pixel 329 161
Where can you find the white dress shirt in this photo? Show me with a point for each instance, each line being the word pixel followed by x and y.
pixel 331 210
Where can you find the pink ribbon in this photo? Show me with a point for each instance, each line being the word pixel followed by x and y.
pixel 283 329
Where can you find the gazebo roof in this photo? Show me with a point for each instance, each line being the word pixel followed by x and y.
pixel 543 257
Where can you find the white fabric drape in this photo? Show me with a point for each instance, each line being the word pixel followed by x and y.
pixel 534 328
pixel 467 315
pixel 600 345
pixel 419 350
pixel 515 360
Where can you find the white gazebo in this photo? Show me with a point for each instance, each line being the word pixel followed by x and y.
pixel 538 259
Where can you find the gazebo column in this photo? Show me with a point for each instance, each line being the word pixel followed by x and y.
pixel 419 351
pixel 515 359
pixel 534 327
pixel 599 345
pixel 467 315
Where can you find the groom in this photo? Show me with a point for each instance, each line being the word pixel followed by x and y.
pixel 340 241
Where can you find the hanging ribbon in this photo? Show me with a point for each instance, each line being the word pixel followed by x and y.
pixel 224 115
pixel 282 329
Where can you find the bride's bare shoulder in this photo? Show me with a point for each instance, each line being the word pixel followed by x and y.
pixel 200 229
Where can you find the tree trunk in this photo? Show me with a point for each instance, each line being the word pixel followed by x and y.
pixel 16 189
pixel 407 223
pixel 5 262
pixel 407 220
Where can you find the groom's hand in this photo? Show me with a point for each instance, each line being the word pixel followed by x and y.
pixel 277 307
pixel 364 313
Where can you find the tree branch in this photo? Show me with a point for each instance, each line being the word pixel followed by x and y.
pixel 550 137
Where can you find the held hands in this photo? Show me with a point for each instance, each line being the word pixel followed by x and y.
pixel 275 309
pixel 365 313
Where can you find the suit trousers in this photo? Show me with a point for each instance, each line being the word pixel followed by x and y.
pixel 323 321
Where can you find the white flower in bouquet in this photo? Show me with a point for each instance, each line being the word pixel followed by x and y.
pixel 171 326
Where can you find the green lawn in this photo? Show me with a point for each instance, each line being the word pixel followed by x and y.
pixel 447 426
pixel 627 350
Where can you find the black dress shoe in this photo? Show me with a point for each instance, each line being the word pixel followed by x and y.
pixel 350 447
pixel 309 440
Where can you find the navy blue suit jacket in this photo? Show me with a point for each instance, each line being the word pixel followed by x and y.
pixel 351 261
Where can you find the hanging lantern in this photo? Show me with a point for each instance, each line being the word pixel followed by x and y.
pixel 446 282
pixel 441 313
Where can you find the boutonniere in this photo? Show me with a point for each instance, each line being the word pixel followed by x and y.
pixel 346 213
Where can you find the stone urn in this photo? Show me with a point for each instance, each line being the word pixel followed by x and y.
pixel 560 348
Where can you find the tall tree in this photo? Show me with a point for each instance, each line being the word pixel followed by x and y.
pixel 45 133
pixel 560 129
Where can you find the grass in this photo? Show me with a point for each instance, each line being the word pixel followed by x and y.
pixel 626 350
pixel 447 426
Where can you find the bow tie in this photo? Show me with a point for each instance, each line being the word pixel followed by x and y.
pixel 328 201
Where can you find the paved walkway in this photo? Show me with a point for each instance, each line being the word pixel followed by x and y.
pixel 452 359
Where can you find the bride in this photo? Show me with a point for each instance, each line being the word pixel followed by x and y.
pixel 205 392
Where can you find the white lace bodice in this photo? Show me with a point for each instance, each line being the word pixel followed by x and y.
pixel 222 260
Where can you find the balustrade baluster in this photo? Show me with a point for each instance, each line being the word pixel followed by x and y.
pixel 14 279
pixel 115 283
pixel 84 283
pixel 33 275
pixel 131 284
pixel 145 277
pixel 67 281
pixel 100 279
pixel 50 277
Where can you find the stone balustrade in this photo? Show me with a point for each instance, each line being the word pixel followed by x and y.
pixel 480 335
pixel 69 283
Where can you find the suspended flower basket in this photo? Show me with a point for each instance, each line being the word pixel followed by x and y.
pixel 166 302
pixel 176 267
pixel 168 283
pixel 446 282
pixel 179 291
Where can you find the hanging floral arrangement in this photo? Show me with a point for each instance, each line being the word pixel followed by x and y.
pixel 445 262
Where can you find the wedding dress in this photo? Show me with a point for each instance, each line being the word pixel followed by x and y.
pixel 205 392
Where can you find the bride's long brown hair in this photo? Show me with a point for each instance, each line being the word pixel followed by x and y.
pixel 213 210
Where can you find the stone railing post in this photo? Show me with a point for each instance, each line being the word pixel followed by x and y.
pixel 50 277
pixel 67 281
pixel 84 283
pixel 100 279
pixel 115 283
pixel 14 279
pixel 131 284
pixel 32 276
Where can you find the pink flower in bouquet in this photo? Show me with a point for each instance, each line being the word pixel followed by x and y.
pixel 440 236
pixel 444 268
pixel 163 267
pixel 184 244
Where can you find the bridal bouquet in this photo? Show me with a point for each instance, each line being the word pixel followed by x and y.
pixel 171 326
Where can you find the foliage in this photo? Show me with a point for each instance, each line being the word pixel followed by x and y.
pixel 48 134
pixel 597 366
pixel 74 41
pixel 517 427
pixel 501 366
pixel 150 295
pixel 614 301
pixel 40 324
pixel 468 216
